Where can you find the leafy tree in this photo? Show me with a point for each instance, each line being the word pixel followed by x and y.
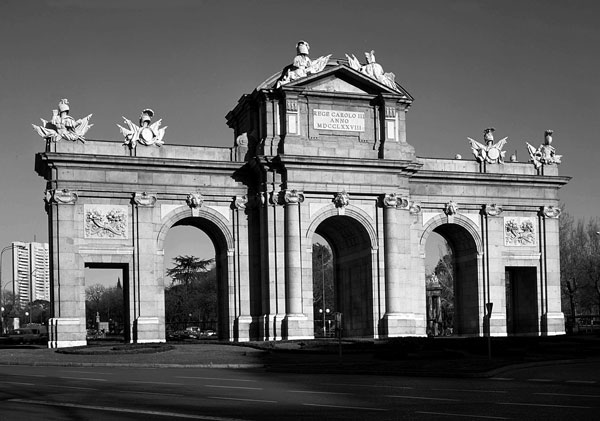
pixel 322 263
pixel 193 291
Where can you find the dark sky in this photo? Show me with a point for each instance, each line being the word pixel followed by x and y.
pixel 519 66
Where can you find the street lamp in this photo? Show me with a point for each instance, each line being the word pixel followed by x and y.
pixel 324 326
pixel 28 314
pixel 2 285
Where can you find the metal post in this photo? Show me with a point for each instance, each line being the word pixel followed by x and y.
pixel 2 286
pixel 488 307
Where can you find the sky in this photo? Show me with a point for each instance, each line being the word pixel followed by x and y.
pixel 519 66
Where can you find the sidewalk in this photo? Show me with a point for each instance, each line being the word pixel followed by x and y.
pixel 439 357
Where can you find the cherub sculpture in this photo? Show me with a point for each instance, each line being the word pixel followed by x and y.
pixel 302 65
pixel 490 152
pixel 146 133
pixel 545 154
pixel 373 70
pixel 63 126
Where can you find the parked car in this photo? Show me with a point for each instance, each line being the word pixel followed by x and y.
pixel 29 335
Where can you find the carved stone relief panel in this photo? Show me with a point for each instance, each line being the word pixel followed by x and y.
pixel 520 231
pixel 106 221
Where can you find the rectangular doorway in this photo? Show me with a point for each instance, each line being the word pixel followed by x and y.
pixel 521 301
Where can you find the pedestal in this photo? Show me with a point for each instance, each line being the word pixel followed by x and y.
pixel 66 332
pixel 402 324
pixel 148 330
pixel 297 326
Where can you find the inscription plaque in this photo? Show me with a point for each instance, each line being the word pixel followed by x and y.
pixel 348 121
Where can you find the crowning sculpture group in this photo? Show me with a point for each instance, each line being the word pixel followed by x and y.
pixel 64 127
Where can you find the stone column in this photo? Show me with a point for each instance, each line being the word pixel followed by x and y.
pixel 392 253
pixel 553 321
pixel 297 325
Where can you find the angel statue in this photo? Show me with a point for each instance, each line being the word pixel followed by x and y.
pixel 545 154
pixel 302 65
pixel 373 70
pixel 490 152
pixel 63 126
pixel 146 133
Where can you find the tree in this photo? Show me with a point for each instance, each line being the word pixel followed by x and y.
pixel 322 263
pixel 580 265
pixel 193 290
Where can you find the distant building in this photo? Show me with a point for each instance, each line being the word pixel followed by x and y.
pixel 31 272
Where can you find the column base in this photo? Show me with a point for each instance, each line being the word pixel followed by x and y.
pixel 242 327
pixel 402 324
pixel 66 332
pixel 270 327
pixel 297 326
pixel 552 324
pixel 148 330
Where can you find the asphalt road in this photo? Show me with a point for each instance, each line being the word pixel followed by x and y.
pixel 560 392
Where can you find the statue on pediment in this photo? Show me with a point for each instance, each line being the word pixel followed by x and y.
pixel 144 134
pixel 491 152
pixel 302 65
pixel 545 154
pixel 373 69
pixel 63 126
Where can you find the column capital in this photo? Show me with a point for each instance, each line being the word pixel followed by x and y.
pixel 292 197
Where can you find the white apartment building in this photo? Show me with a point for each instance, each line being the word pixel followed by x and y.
pixel 31 271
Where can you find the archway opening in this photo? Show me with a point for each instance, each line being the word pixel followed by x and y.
pixel 192 286
pixel 350 247
pixel 451 282
pixel 324 298
pixel 106 303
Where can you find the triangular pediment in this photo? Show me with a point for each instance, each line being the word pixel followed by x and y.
pixel 343 79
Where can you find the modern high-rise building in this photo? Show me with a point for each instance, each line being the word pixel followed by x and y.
pixel 31 272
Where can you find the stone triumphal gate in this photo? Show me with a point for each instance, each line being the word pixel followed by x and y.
pixel 318 149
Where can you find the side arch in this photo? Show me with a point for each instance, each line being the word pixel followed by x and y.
pixel 459 220
pixel 212 216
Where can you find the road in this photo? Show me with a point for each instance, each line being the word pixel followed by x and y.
pixel 92 393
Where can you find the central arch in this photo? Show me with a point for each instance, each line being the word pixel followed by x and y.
pixel 352 271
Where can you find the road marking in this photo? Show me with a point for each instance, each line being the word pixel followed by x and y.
pixel 318 392
pixel 83 378
pixel 215 378
pixel 344 407
pixel 582 381
pixel 72 387
pixel 422 397
pixel 151 393
pixel 461 415
pixel 502 378
pixel 126 410
pixel 539 380
pixel 233 387
pixel 472 390
pixel 240 399
pixel 542 404
pixel 140 382
pixel 368 385
pixel 88 372
pixel 568 394
pixel 19 383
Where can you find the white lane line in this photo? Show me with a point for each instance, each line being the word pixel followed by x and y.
pixel 240 399
pixel 539 380
pixel 126 410
pixel 83 378
pixel 71 387
pixel 140 382
pixel 367 385
pixel 422 398
pixel 344 407
pixel 471 390
pixel 232 387
pixel 88 372
pixel 504 379
pixel 582 381
pixel 19 383
pixel 544 405
pixel 216 378
pixel 318 392
pixel 449 414
pixel 32 375
pixel 151 393
pixel 568 394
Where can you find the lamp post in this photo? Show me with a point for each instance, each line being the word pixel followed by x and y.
pixel 324 313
